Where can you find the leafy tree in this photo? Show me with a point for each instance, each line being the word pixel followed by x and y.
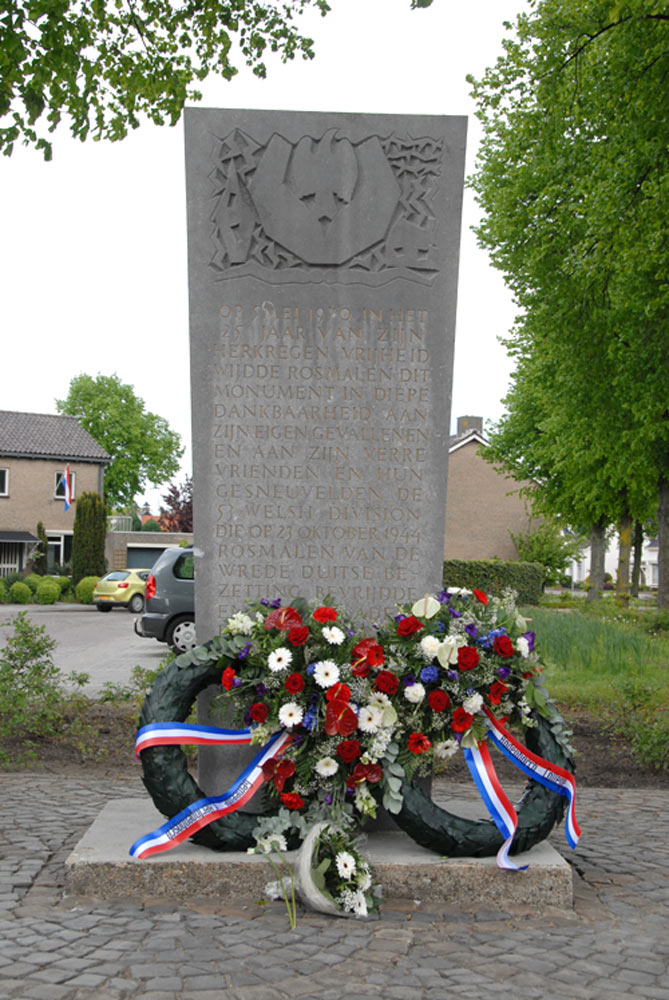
pixel 177 515
pixel 550 545
pixel 104 65
pixel 151 525
pixel 88 540
pixel 573 179
pixel 142 446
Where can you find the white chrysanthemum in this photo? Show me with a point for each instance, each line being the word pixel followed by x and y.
pixel 279 660
pixel 523 647
pixel 414 693
pixel 326 767
pixel 458 590
pixel 446 749
pixel 333 635
pixel 239 624
pixel 378 699
pixel 326 673
pixel 473 704
pixel 291 714
pixel 429 646
pixel 370 718
pixel 345 863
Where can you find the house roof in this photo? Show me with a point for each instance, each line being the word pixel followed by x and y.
pixel 45 435
pixel 459 440
pixel 17 536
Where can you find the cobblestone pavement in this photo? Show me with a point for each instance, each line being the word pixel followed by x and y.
pixel 615 944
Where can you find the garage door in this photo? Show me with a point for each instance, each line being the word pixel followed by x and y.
pixel 143 557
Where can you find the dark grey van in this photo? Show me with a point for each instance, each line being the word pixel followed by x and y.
pixel 169 614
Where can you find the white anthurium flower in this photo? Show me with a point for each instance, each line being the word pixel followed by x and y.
pixel 472 705
pixel 291 714
pixel 414 693
pixel 326 673
pixel 279 660
pixel 370 718
pixel 426 607
pixel 326 767
pixel 448 651
pixel 389 716
pixel 429 646
pixel 333 635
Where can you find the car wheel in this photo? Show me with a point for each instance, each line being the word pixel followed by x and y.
pixel 181 634
pixel 136 603
pixel 104 607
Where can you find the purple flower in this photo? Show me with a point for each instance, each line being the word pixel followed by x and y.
pixel 443 597
pixel 429 674
pixel 503 672
pixel 454 613
pixel 530 636
pixel 452 675
pixel 409 680
pixel 236 682
pixel 311 668
pixel 261 690
pixel 328 799
pixel 440 627
pixel 310 719
pixel 276 603
pixel 244 652
pixel 263 600
pixel 399 618
pixel 471 631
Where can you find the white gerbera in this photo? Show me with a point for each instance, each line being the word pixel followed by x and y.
pixel 345 863
pixel 326 767
pixel 271 842
pixel 473 704
pixel 370 718
pixel 446 749
pixel 279 659
pixel 291 714
pixel 429 646
pixel 378 699
pixel 326 673
pixel 333 635
pixel 414 693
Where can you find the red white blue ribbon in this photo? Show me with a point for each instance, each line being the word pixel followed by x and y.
pixel 158 734
pixel 205 811
pixel 551 775
pixel 497 803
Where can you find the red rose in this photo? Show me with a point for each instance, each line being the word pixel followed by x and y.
pixel 348 751
pixel 298 635
pixel 438 700
pixel 468 658
pixel 294 683
pixel 496 691
pixel 228 678
pixel 339 691
pixel 292 800
pixel 409 625
pixel 324 615
pixel 502 646
pixel 258 711
pixel 386 682
pixel 283 618
pixel 480 596
pixel 419 743
pixel 461 720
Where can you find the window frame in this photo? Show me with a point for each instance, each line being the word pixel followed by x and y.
pixel 59 481
pixel 4 492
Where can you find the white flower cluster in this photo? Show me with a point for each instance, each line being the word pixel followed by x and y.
pixel 353 902
pixel 239 624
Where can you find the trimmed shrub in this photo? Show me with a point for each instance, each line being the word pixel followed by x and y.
pixel 88 541
pixel 64 583
pixel 48 591
pixel 33 580
pixel 493 576
pixel 84 589
pixel 20 593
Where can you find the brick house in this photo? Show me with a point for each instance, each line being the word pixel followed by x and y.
pixel 35 449
pixel 482 504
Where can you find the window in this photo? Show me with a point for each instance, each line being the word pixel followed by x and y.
pixel 4 482
pixel 184 568
pixel 59 488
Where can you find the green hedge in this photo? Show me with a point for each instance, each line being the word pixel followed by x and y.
pixel 48 591
pixel 20 593
pixel 493 576
pixel 84 589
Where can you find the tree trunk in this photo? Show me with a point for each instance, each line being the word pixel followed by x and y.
pixel 663 546
pixel 636 567
pixel 624 550
pixel 597 555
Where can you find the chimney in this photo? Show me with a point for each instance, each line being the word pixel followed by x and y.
pixel 467 424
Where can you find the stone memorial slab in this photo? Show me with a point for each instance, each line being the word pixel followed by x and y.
pixel 323 258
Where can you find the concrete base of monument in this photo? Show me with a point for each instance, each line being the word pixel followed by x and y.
pixel 99 867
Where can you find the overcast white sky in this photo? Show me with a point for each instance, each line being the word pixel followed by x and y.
pixel 93 258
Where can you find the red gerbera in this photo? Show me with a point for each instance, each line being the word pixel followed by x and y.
pixel 418 743
pixel 496 691
pixel 461 720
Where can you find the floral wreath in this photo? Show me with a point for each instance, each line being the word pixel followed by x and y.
pixel 347 720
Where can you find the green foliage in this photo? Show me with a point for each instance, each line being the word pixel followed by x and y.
pixel 135 691
pixel 573 179
pixel 48 591
pixel 40 559
pixel 20 593
pixel 88 542
pixel 32 580
pixel 644 723
pixel 64 583
pixel 84 589
pixel 143 448
pixel 550 546
pixel 3 591
pixel 151 525
pixel 494 576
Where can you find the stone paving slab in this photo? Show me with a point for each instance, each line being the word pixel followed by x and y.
pixel 158 949
pixel 99 867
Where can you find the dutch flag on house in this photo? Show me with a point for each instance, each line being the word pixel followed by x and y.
pixel 67 487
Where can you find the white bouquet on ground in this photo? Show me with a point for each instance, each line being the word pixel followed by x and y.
pixel 332 875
